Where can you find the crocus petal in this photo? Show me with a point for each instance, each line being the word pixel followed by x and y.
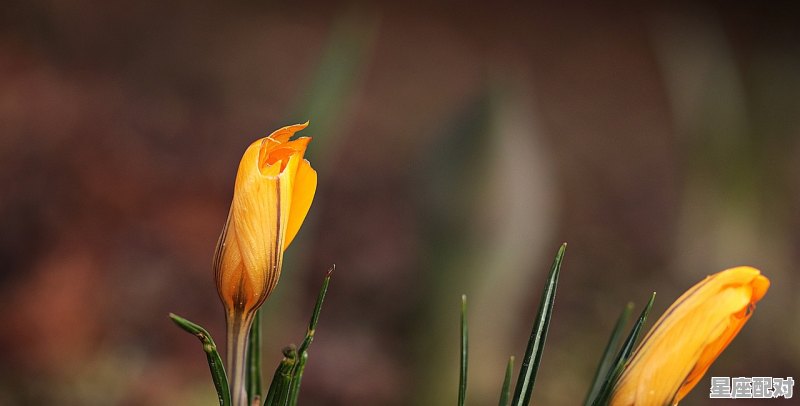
pixel 255 226
pixel 686 340
pixel 283 134
pixel 227 257
pixel 305 185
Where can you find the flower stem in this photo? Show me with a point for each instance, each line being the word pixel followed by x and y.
pixel 238 332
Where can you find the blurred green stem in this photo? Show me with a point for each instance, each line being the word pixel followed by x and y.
pixel 238 332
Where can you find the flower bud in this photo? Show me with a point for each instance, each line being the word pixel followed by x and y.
pixel 273 192
pixel 688 337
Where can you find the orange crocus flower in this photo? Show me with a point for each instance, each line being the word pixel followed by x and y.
pixel 272 195
pixel 688 337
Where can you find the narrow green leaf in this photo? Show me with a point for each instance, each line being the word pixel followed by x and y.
pixel 253 378
pixel 312 325
pixel 533 354
pixel 214 360
pixel 505 392
pixel 297 378
pixel 302 353
pixel 608 354
pixel 462 381
pixel 277 394
pixel 622 357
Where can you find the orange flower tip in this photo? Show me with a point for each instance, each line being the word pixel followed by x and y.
pixel 283 134
pixel 746 275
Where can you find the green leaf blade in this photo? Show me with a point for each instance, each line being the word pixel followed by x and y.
pixel 624 354
pixel 533 353
pixel 302 352
pixel 607 358
pixel 297 378
pixel 278 392
pixel 505 392
pixel 462 380
pixel 312 324
pixel 212 356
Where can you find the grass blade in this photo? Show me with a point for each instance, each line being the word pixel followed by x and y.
pixel 505 392
pixel 312 324
pixel 608 354
pixel 533 354
pixel 278 392
pixel 214 360
pixel 253 379
pixel 302 352
pixel 297 378
pixel 622 357
pixel 462 380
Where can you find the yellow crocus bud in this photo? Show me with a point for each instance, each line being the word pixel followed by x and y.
pixel 688 337
pixel 271 197
pixel 273 192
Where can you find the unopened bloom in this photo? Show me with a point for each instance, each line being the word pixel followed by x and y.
pixel 272 194
pixel 688 337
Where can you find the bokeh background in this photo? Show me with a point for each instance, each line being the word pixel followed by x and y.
pixel 457 146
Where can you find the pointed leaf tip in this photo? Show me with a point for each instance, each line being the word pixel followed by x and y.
pixel 505 391
pixel 533 353
pixel 604 395
pixel 607 358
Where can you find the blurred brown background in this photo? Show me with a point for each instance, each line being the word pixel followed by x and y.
pixel 457 146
